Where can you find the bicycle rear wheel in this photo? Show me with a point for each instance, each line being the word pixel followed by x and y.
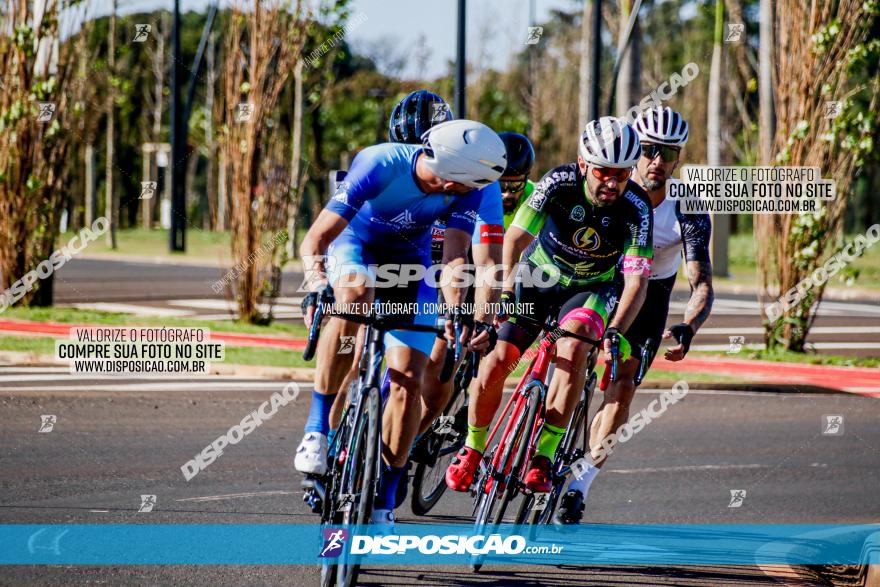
pixel 429 482
pixel 360 476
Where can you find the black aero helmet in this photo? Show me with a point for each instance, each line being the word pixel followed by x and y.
pixel 520 153
pixel 415 114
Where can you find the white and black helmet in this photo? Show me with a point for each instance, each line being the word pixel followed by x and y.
pixel 662 125
pixel 464 151
pixel 610 142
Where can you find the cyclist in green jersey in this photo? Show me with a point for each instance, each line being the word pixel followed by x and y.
pixel 581 221
pixel 515 184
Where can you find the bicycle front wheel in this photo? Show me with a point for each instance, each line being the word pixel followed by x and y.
pixel 360 476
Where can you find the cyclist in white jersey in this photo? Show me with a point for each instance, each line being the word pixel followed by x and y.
pixel 662 133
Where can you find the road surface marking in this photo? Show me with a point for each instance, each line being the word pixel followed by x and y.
pixel 236 495
pixel 130 309
pixel 686 468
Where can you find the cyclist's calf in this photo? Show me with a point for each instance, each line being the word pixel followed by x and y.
pixel 494 370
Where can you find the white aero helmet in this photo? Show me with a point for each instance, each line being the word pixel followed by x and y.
pixel 662 125
pixel 464 151
pixel 610 142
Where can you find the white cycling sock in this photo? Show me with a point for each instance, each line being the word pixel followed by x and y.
pixel 583 481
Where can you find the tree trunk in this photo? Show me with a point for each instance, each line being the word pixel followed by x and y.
pixel 586 73
pixel 296 191
pixel 628 91
pixel 112 211
pixel 714 120
pixel 90 184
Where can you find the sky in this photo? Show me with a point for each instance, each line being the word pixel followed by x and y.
pixel 393 28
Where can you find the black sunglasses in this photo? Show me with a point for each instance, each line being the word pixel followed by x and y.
pixel 512 186
pixel 667 153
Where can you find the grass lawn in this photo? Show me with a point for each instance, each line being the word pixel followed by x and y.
pixel 200 244
pixel 805 358
pixel 863 272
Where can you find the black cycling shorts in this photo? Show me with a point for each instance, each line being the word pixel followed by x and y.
pixel 540 303
pixel 651 319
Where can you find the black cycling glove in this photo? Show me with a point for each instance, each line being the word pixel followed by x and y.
pixel 684 334
pixel 480 327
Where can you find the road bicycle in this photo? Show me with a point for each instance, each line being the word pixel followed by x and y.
pixel 499 477
pixel 344 494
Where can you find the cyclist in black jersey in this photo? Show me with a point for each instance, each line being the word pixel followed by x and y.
pixel 580 221
pixel 662 134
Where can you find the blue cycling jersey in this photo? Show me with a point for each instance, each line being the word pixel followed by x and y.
pixel 385 207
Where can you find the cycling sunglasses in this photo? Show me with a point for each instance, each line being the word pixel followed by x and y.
pixel 606 173
pixel 512 186
pixel 667 153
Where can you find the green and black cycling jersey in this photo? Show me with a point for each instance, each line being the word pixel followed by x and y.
pixel 527 191
pixel 586 242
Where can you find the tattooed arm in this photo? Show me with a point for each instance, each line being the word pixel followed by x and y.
pixel 702 295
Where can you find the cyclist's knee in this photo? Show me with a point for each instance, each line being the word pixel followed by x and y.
pixel 497 365
pixel 353 295
pixel 405 386
pixel 573 350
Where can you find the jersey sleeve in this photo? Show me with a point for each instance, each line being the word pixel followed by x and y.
pixel 638 250
pixel 464 210
pixel 370 173
pixel 532 213
pixel 696 231
pixel 489 228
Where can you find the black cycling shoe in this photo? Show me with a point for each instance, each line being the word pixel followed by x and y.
pixel 571 509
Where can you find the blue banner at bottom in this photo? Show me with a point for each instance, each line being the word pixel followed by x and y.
pixel 431 544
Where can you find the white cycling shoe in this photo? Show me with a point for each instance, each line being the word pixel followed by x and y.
pixel 311 456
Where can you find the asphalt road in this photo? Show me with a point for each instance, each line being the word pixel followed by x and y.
pixel 845 328
pixel 118 438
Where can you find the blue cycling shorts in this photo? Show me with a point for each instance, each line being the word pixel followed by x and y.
pixel 349 256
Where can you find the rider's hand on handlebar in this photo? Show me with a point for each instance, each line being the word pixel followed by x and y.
pixel 624 349
pixel 310 302
pixel 508 306
pixel 484 337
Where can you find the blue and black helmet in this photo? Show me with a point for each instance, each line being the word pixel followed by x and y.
pixel 415 114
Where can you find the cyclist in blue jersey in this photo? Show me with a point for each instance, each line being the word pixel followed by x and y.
pixel 382 214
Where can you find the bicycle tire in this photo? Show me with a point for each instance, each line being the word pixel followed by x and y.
pixel 423 502
pixel 522 441
pixel 580 421
pixel 360 475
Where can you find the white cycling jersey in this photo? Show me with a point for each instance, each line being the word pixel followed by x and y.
pixel 674 231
